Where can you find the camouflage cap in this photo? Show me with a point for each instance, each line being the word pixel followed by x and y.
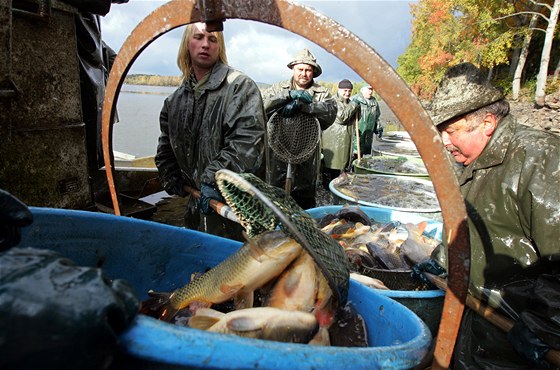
pixel 306 57
pixel 462 90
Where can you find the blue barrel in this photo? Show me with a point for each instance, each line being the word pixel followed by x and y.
pixel 156 256
pixel 427 304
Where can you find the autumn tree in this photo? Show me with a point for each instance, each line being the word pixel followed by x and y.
pixel 552 20
pixel 483 32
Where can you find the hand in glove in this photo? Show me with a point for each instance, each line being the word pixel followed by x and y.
pixel 301 96
pixel 528 345
pixel 431 266
pixel 14 215
pixel 291 109
pixel 207 193
pixel 59 315
pixel 177 188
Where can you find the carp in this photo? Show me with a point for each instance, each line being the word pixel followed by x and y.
pixel 296 288
pixel 268 323
pixel 257 262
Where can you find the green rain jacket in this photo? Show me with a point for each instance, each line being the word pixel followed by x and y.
pixel 324 109
pixel 218 126
pixel 512 194
pixel 368 122
pixel 336 140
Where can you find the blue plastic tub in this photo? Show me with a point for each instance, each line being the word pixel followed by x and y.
pixel 427 304
pixel 161 257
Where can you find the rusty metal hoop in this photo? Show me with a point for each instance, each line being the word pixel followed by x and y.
pixel 351 50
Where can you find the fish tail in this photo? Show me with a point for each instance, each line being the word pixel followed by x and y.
pixel 158 306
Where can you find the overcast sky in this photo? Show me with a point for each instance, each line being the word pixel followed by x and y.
pixel 262 51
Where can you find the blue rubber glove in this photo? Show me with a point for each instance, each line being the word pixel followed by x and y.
pixel 301 95
pixel 291 109
pixel 430 265
pixel 528 345
pixel 208 192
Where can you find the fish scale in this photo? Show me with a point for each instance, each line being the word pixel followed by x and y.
pixel 253 265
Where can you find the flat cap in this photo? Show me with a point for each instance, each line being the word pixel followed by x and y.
pixel 463 89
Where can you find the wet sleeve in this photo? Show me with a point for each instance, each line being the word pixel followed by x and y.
pixel 324 110
pixel 346 113
pixel 244 130
pixel 539 189
pixel 275 98
pixel 100 7
pixel 169 171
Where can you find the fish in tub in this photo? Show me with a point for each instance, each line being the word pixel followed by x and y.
pixel 164 256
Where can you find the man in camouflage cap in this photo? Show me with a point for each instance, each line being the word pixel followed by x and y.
pixel 511 185
pixel 299 94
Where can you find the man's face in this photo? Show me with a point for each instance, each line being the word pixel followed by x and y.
pixel 367 92
pixel 464 144
pixel 345 93
pixel 303 74
pixel 203 47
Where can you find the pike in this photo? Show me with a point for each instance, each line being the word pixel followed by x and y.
pixel 257 262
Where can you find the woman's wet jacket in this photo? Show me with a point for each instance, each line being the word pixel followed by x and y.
pixel 324 109
pixel 220 125
pixel 368 122
pixel 336 140
pixel 512 194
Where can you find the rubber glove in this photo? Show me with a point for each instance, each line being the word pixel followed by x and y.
pixel 291 109
pixel 528 345
pixel 207 193
pixel 57 315
pixel 430 265
pixel 14 215
pixel 301 95
pixel 175 187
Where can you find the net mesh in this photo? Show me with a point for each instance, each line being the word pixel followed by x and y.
pixel 293 139
pixel 261 207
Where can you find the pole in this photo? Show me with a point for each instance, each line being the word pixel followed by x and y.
pixel 490 314
pixel 222 209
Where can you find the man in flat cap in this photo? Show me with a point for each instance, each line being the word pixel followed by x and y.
pixel 511 185
pixel 299 94
pixel 337 139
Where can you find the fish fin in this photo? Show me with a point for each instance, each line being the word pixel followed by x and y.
pixel 205 318
pixel 230 289
pixel 422 226
pixel 321 338
pixel 167 314
pixel 255 250
pixel 158 306
pixel 242 323
pixel 243 300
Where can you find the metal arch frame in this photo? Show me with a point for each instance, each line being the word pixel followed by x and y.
pixel 347 47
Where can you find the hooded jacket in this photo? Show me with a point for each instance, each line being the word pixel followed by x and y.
pixel 324 109
pixel 512 194
pixel 336 140
pixel 219 125
pixel 368 122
